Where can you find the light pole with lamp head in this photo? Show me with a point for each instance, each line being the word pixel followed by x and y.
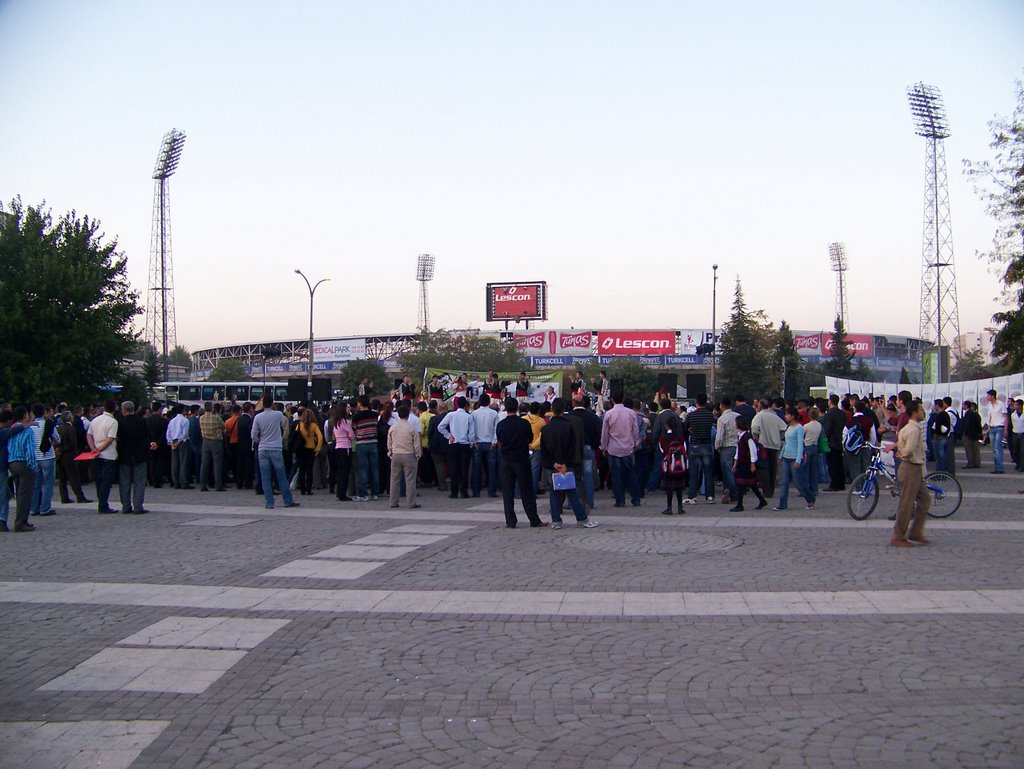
pixel 309 376
pixel 714 333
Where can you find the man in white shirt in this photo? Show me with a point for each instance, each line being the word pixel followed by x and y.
pixel 1017 434
pixel 177 439
pixel 996 421
pixel 102 437
pixel 459 428
pixel 768 429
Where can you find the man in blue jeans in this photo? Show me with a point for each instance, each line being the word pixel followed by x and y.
pixel 591 440
pixel 619 438
pixel 267 431
pixel 726 439
pixel 561 444
pixel 700 447
pixel 485 452
pixel 996 420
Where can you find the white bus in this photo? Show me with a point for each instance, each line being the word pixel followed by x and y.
pixel 198 393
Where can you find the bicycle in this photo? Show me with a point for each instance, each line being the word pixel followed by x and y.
pixel 862 498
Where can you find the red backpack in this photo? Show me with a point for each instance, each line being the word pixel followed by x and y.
pixel 675 461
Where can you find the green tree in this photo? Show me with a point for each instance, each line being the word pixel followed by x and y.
pixel 863 372
pixel 785 358
pixel 638 381
pixel 462 352
pixel 66 305
pixel 745 350
pixel 151 371
pixel 841 363
pixel 905 377
pixel 180 356
pixel 133 389
pixel 354 372
pixel 1000 184
pixel 971 365
pixel 229 370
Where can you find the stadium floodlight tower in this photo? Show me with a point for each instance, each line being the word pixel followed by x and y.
pixel 160 326
pixel 424 274
pixel 837 255
pixel 940 314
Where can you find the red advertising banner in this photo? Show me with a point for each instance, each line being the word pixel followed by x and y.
pixel 659 342
pixel 516 301
pixel 861 345
pixel 554 342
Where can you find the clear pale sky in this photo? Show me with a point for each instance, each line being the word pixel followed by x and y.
pixel 615 150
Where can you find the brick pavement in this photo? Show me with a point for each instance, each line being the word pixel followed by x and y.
pixel 432 659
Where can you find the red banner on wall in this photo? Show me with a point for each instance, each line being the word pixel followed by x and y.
pixel 659 342
pixel 861 345
pixel 554 342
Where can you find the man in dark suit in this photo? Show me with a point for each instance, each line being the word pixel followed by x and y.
pixel 133 450
pixel 159 458
pixel 561 446
pixel 514 435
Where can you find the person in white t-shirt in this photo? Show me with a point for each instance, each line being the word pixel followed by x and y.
pixel 102 437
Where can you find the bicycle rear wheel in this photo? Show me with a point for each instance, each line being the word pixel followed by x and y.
pixel 862 497
pixel 947 494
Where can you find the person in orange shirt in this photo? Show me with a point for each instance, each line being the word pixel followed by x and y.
pixel 231 441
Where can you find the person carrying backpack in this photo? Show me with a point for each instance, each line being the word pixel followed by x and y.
pixel 748 453
pixel 674 466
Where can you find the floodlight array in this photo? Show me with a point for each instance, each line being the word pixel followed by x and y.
pixel 425 267
pixel 928 110
pixel 169 154
pixel 837 255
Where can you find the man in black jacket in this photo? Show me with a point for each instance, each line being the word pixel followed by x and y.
pixel 245 467
pixel 438 446
pixel 561 446
pixel 159 458
pixel 972 434
pixel 832 425
pixel 514 435
pixel 133 449
pixel 591 424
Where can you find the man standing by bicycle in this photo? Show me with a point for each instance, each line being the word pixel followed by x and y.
pixel 914 497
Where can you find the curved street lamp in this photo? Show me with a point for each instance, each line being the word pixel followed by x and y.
pixel 312 290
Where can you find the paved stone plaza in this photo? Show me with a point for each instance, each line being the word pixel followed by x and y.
pixel 213 633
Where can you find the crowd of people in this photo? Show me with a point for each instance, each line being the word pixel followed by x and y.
pixel 569 448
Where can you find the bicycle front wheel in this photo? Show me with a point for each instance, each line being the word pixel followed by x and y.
pixel 947 494
pixel 862 497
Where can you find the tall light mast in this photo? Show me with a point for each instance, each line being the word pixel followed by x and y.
pixel 160 325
